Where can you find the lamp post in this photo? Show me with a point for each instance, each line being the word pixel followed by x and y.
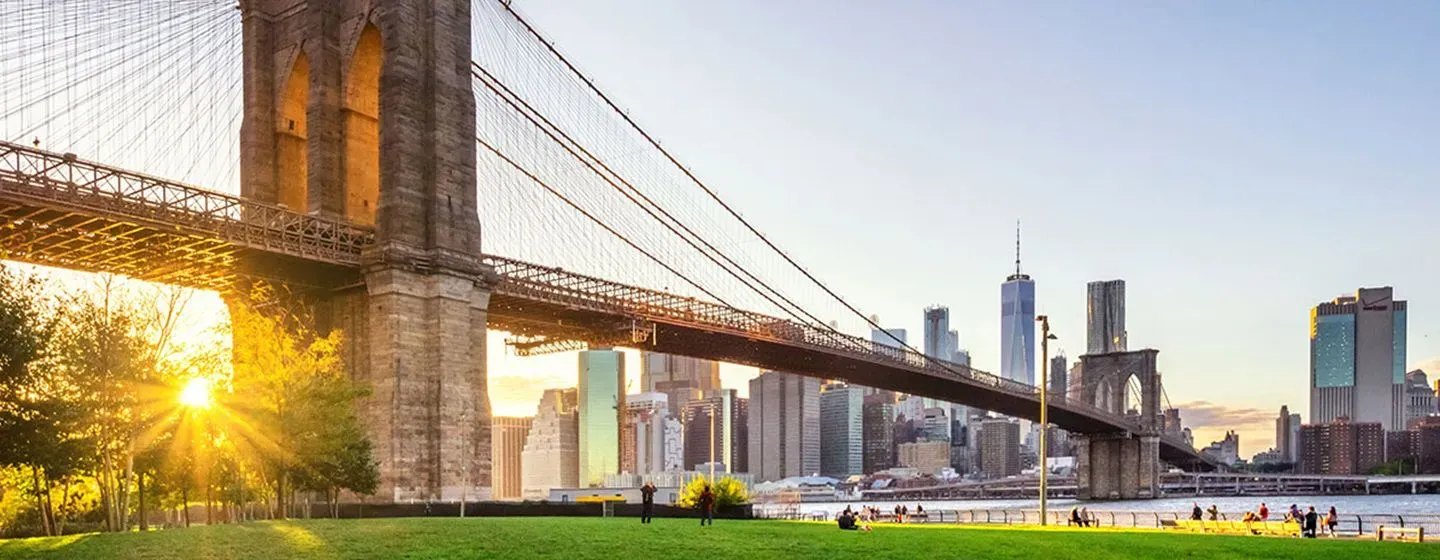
pixel 1045 338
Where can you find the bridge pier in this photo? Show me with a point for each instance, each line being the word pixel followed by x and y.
pixel 429 413
pixel 1117 467
pixel 330 86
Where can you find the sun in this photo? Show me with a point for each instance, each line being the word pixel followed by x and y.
pixel 196 393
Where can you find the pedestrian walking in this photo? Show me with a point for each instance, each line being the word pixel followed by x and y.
pixel 707 507
pixel 1331 520
pixel 647 503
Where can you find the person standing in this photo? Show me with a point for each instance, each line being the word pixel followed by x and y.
pixel 647 502
pixel 1197 514
pixel 707 507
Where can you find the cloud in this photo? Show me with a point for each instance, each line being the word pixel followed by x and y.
pixel 1209 422
pixel 1205 414
pixel 1431 367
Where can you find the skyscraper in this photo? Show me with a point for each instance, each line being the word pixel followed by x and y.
pixel 1017 324
pixel 894 338
pixel 1059 377
pixel 681 378
pixel 716 430
pixel 944 344
pixel 507 445
pixel 647 437
pixel 551 456
pixel 999 448
pixel 602 405
pixel 1105 317
pixel 940 341
pixel 1357 359
pixel 878 424
pixel 842 430
pixel 1287 435
pixel 784 426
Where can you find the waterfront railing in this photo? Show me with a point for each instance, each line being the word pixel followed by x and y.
pixel 1352 524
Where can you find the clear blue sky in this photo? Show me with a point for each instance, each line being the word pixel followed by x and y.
pixel 1235 162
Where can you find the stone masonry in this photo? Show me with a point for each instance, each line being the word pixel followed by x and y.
pixel 1120 466
pixel 416 325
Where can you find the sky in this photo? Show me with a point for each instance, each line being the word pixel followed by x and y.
pixel 1235 162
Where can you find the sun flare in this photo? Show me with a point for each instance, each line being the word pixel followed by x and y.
pixel 196 393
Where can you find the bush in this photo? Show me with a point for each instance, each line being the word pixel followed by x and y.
pixel 728 492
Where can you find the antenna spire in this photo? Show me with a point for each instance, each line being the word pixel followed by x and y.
pixel 1017 247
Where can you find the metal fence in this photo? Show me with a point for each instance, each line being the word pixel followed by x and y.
pixel 1347 525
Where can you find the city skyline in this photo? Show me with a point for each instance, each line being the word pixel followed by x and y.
pixel 1170 308
pixel 1120 177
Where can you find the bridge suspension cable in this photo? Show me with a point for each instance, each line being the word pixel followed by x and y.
pixel 143 84
pixel 639 198
pixel 525 43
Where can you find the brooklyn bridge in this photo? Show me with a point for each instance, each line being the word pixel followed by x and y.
pixel 344 155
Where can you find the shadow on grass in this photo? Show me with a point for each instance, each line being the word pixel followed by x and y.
pixel 44 544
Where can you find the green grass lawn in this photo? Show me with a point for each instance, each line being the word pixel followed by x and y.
pixel 627 539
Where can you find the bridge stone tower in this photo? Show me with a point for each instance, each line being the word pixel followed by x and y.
pixel 330 86
pixel 1120 466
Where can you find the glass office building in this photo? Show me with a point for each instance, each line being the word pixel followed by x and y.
pixel 602 404
pixel 1357 359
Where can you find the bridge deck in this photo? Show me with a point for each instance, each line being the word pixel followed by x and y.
pixel 57 210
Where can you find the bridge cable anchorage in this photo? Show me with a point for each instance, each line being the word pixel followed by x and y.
pixel 590 85
pixel 591 161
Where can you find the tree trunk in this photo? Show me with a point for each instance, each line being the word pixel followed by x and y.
pixel 50 503
pixel 64 506
pixel 185 499
pixel 105 492
pixel 140 484
pixel 124 493
pixel 45 521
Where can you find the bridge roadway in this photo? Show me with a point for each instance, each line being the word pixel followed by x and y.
pixel 57 210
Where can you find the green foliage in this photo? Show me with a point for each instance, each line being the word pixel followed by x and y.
pixel 91 427
pixel 303 406
pixel 597 538
pixel 1396 467
pixel 728 492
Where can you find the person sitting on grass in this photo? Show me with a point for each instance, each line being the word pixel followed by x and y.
pixel 1310 520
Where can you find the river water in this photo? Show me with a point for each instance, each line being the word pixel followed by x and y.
pixel 1394 504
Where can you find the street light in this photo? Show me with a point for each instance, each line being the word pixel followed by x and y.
pixel 1045 338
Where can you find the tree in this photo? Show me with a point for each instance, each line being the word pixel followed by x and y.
pixel 728 492
pixel 302 405
pixel 38 423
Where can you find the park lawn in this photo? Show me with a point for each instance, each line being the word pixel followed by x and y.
pixel 627 539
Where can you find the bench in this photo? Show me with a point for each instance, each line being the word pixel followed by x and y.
pixel 1400 533
pixel 1280 528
